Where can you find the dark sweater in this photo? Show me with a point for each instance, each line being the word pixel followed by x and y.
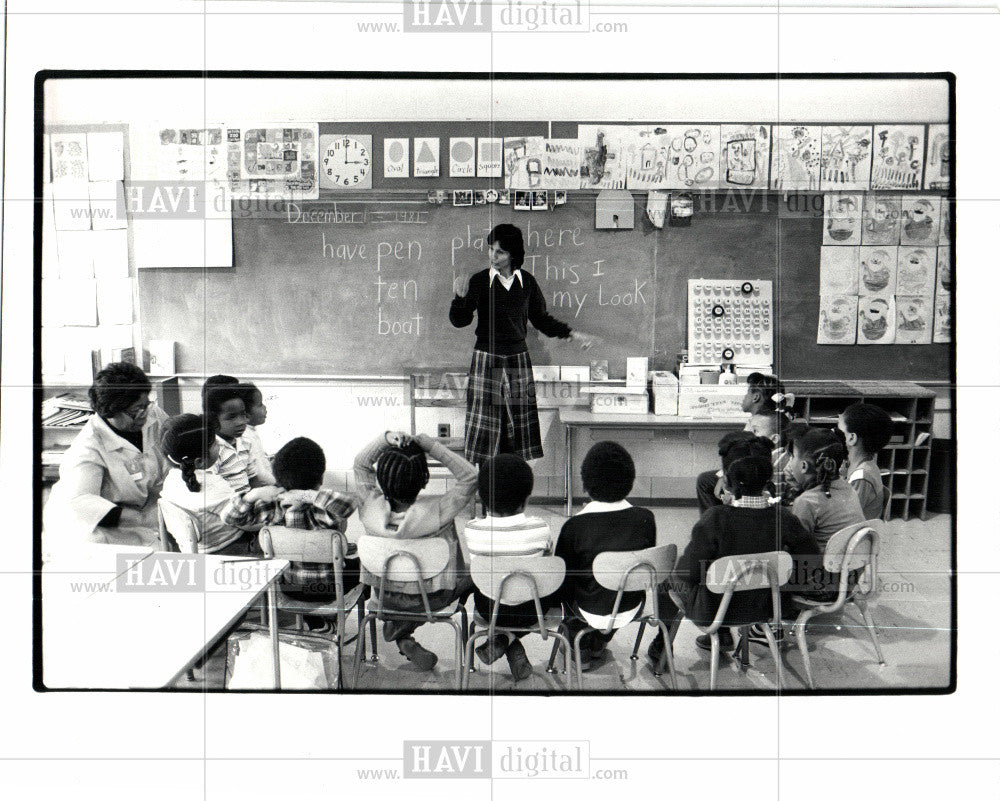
pixel 584 536
pixel 730 531
pixel 504 315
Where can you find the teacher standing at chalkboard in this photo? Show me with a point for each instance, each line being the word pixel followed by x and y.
pixel 501 415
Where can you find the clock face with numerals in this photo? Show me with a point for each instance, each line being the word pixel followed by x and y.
pixel 345 161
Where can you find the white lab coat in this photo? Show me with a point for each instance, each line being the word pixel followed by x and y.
pixel 100 470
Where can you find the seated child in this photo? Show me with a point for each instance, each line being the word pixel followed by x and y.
pixel 867 429
pixel 789 433
pixel 607 523
pixel 190 444
pixel 299 501
pixel 253 402
pixel 225 412
pixel 769 407
pixel 505 483
pixel 390 473
pixel 748 523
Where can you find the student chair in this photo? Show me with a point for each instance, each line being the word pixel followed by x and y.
pixel 180 530
pixel 416 560
pixel 325 547
pixel 887 502
pixel 854 548
pixel 631 571
pixel 732 574
pixel 513 580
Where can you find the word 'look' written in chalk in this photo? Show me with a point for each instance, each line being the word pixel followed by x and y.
pixel 388 293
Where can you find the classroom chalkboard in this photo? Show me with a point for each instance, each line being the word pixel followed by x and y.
pixel 361 286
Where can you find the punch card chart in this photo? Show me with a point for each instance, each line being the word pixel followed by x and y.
pixel 730 315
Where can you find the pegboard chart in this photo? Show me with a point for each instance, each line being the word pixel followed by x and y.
pixel 730 319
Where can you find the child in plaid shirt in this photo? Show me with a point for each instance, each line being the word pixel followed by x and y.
pixel 299 502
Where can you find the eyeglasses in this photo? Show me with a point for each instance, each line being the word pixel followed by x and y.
pixel 137 409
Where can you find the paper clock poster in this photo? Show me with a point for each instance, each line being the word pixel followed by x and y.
pixel 744 156
pixel 647 157
pixel 426 157
pixel 561 167
pixel 602 156
pixel 880 223
pixel 897 157
pixel 795 157
pixel 838 320
pixel 942 318
pixel 846 160
pixel 462 157
pixel 396 158
pixel 838 271
pixel 693 161
pixel 877 276
pixel 524 162
pixel 920 220
pixel 841 219
pixel 914 320
pixel 346 161
pixel 876 321
pixel 915 271
pixel 489 160
pixel 944 279
pixel 937 173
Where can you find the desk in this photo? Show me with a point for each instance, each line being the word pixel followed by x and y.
pixel 98 632
pixel 573 418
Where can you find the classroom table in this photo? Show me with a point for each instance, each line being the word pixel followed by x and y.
pixel 575 418
pixel 98 633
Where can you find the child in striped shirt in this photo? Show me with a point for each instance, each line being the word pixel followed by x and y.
pixel 505 483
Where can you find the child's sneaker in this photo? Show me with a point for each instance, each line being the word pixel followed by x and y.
pixel 725 641
pixel 417 654
pixel 491 650
pixel 520 667
pixel 757 634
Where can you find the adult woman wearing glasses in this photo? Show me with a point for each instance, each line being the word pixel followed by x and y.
pixel 110 477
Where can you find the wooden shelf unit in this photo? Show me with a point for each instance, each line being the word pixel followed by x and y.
pixel 905 466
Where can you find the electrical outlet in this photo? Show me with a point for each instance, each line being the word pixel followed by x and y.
pixel 444 430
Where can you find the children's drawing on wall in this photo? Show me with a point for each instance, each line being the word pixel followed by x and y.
pixel 876 321
pixel 897 157
pixel 561 164
pixel 937 174
pixel 274 161
pixel 920 220
pixel 745 153
pixel 795 158
pixel 602 156
pixel 944 235
pixel 942 318
pixel 694 158
pixel 943 284
pixel 915 268
pixel 880 224
pixel 68 154
pixel 838 271
pixel 648 156
pixel 523 158
pixel 841 219
pixel 838 320
pixel 846 161
pixel 878 270
pixel 914 320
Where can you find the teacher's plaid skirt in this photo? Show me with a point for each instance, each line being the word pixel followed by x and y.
pixel 501 388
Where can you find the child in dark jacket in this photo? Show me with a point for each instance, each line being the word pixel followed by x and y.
pixel 748 523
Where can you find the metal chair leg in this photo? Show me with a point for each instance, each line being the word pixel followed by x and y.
pixel 800 638
pixel 372 621
pixel 469 646
pixel 667 657
pixel 562 642
pixel 469 661
pixel 714 667
pixel 359 650
pixel 743 649
pixel 638 640
pixel 870 625
pixel 772 644
pixel 577 657
pixel 361 618
pixel 555 651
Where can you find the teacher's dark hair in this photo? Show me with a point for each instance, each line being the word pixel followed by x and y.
pixel 116 387
pixel 509 238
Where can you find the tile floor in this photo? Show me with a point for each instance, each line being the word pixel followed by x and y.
pixel 912 613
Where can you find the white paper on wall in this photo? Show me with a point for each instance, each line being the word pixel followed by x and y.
pixel 76 255
pixel 914 319
pixel 462 157
pixel 395 158
pixel 915 271
pixel 68 156
pixel 602 155
pixel 795 157
pixel 877 277
pixel 426 157
pixel 880 225
pixel 53 353
pixel 876 321
pixel 744 156
pixel 920 220
pixel 838 320
pixel 937 173
pixel 846 161
pixel 524 162
pixel 71 205
pixel 489 158
pixel 943 281
pixel 50 247
pixel 561 166
pixel 114 301
pixel 942 318
pixel 106 156
pixel 110 253
pixel 693 160
pixel 107 205
pixel 69 302
pixel 838 270
pixel 647 157
pixel 897 157
pixel 842 219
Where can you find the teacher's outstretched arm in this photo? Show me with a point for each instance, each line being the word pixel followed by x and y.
pixel 540 318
